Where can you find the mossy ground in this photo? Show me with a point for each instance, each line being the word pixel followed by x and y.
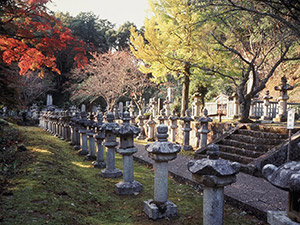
pixel 56 186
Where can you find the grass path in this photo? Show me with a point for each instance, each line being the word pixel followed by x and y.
pixel 55 186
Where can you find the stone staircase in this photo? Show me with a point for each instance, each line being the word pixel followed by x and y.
pixel 246 143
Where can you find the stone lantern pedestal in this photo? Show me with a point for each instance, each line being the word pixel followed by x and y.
pixel 287 178
pixel 214 174
pixel 110 143
pixel 128 186
pixel 161 152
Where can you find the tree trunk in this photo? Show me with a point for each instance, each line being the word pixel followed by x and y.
pixel 245 111
pixel 185 95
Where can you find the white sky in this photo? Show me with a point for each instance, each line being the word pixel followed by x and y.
pixel 116 11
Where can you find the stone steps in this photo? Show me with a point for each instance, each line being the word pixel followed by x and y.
pixel 262 134
pixel 255 140
pixel 236 158
pixel 239 151
pixel 251 147
pixel 248 143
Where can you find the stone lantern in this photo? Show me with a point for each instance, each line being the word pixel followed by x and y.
pixel 214 174
pixel 131 110
pixel 100 136
pixel 196 105
pixel 111 129
pixel 173 126
pixel 142 134
pixel 287 178
pixel 76 120
pixel 162 117
pixel 204 120
pixel 161 152
pixel 266 117
pixel 73 122
pixel 126 132
pixel 151 129
pixel 186 131
pixel 283 88
pixel 83 122
pixel 91 132
pixel 167 107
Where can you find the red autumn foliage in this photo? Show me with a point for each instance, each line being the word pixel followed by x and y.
pixel 30 36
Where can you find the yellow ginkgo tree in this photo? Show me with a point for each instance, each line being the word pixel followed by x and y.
pixel 174 43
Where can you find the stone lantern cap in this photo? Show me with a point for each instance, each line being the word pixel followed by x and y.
pixel 162 150
pixel 127 129
pixel 110 125
pixel 187 117
pixel 151 121
pixel 213 171
pixel 173 116
pixel 285 177
pixel 205 118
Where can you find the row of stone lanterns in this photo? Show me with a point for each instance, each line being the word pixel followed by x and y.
pixel 213 173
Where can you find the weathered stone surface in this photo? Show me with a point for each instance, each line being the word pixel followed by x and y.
pixel 285 177
pixel 128 188
pixel 162 152
pixel 156 211
pixel 279 218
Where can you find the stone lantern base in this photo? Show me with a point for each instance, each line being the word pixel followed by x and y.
pixel 128 188
pixel 280 218
pixel 187 148
pixel 111 173
pixel 99 165
pixel 167 209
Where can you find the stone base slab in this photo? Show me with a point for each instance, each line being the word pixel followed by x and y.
pixel 99 165
pixel 128 188
pixel 167 209
pixel 280 218
pixel 111 173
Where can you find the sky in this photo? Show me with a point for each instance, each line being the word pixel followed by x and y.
pixel 116 11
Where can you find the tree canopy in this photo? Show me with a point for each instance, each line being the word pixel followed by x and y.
pixel 30 36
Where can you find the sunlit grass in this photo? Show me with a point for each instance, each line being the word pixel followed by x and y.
pixel 62 188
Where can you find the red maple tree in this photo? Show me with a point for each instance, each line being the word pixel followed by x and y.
pixel 30 36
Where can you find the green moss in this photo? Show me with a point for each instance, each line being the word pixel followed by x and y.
pixel 56 186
